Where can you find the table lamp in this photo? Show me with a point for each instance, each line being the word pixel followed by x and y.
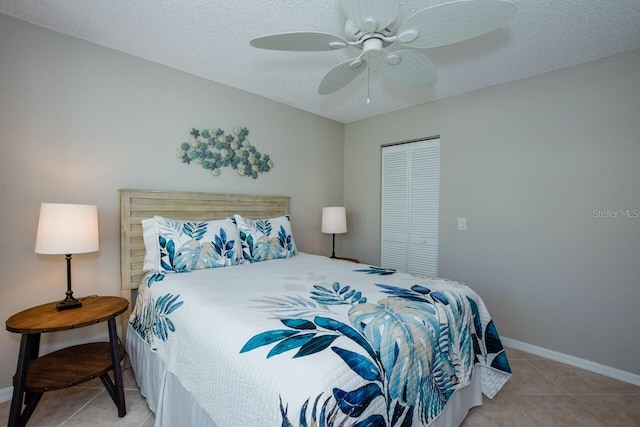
pixel 334 221
pixel 65 229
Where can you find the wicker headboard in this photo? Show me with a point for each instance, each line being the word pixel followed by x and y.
pixel 136 205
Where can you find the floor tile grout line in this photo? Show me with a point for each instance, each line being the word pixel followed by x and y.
pixel 82 407
pixel 595 415
pixel 146 418
pixel 550 378
pixel 521 412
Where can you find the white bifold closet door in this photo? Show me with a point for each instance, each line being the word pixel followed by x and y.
pixel 410 199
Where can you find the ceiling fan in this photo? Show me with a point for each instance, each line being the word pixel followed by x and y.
pixel 372 27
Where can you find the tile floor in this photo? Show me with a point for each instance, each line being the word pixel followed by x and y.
pixel 541 393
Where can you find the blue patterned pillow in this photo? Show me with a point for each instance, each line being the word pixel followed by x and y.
pixel 194 245
pixel 265 239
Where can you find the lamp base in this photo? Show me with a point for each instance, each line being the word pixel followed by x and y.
pixel 67 304
pixel 333 247
pixel 69 301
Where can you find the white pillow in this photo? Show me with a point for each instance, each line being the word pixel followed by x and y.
pixel 150 238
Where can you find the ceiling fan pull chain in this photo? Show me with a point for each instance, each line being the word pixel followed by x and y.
pixel 368 82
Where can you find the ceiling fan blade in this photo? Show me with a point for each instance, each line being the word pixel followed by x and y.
pixel 341 75
pixel 371 15
pixel 411 68
pixel 453 22
pixel 301 42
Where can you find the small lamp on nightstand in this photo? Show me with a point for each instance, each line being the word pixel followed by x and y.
pixel 334 221
pixel 65 229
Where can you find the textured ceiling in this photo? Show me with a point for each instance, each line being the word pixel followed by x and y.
pixel 210 38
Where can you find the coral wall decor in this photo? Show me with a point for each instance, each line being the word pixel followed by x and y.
pixel 213 150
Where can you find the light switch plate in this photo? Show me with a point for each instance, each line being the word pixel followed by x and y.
pixel 462 223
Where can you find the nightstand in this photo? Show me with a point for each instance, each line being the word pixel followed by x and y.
pixel 69 366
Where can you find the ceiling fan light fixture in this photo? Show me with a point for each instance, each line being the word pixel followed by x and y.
pixel 372 47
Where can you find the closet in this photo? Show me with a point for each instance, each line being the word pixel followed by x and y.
pixel 409 211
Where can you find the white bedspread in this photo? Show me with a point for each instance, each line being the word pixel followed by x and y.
pixel 309 339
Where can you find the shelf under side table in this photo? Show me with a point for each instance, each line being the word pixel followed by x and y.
pixel 69 366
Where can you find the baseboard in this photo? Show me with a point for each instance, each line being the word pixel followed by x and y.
pixel 6 394
pixel 573 361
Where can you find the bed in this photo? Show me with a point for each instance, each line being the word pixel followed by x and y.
pixel 244 329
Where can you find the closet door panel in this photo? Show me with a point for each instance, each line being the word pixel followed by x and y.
pixel 395 203
pixel 424 189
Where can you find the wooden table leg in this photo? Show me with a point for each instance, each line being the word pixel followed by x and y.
pixel 29 347
pixel 116 391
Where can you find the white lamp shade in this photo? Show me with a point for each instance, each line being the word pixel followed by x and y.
pixel 334 220
pixel 67 229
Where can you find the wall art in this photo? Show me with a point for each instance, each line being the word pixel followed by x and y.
pixel 213 150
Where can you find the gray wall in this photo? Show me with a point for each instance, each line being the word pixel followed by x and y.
pixel 78 121
pixel 527 163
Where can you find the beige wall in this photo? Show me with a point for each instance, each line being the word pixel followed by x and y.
pixel 527 163
pixel 78 121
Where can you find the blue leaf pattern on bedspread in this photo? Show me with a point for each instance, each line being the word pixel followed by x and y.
pixel 337 295
pixel 377 270
pixel 418 347
pixel 151 320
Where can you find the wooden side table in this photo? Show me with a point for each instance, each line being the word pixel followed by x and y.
pixel 69 366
